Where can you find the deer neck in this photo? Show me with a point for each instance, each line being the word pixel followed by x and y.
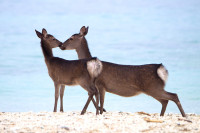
pixel 47 50
pixel 83 50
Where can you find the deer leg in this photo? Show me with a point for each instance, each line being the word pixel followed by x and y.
pixel 92 92
pixel 101 89
pixel 57 86
pixel 102 96
pixel 164 106
pixel 168 96
pixel 174 97
pixel 62 89
pixel 86 105
pixel 93 101
pixel 97 107
pixel 97 103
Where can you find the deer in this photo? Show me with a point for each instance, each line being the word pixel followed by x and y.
pixel 126 80
pixel 69 72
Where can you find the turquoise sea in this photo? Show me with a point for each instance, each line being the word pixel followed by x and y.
pixel 124 32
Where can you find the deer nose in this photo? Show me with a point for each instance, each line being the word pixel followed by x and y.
pixel 60 45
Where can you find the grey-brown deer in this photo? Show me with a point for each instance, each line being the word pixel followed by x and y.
pixel 126 80
pixel 65 72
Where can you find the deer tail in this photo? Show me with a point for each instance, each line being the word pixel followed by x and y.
pixel 162 73
pixel 94 67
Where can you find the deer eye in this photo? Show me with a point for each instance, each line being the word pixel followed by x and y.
pixel 71 39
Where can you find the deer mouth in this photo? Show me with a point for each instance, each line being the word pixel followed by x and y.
pixel 61 46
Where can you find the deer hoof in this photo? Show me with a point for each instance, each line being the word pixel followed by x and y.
pixel 83 112
pixel 104 110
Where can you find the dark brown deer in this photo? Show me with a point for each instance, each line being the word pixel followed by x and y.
pixel 65 72
pixel 126 80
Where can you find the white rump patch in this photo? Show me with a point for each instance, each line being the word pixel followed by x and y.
pixel 94 67
pixel 163 73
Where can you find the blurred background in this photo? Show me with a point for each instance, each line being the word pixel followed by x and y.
pixel 130 32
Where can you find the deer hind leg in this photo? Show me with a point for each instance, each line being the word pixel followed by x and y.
pixel 57 86
pixel 87 85
pixel 91 92
pixel 174 97
pixel 102 96
pixel 104 110
pixel 101 89
pixel 62 89
pixel 97 102
pixel 87 103
pixel 162 94
pixel 164 106
pixel 95 91
pixel 101 104
pixel 93 101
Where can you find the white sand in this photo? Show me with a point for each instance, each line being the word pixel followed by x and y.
pixel 111 122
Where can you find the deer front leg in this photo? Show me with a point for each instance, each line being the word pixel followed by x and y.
pixel 62 89
pixel 57 86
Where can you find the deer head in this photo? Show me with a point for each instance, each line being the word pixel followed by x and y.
pixel 75 40
pixel 49 39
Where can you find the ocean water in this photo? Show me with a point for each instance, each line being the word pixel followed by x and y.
pixel 132 32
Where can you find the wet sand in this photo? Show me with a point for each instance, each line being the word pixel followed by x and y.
pixel 90 123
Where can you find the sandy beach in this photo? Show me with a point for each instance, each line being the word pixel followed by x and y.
pixel 90 123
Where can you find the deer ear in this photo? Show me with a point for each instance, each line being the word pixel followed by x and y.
pixel 84 31
pixel 38 34
pixel 44 32
pixel 87 30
